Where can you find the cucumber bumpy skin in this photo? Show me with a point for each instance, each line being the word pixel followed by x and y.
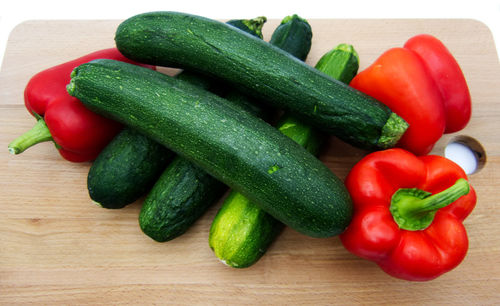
pixel 126 169
pixel 232 145
pixel 211 47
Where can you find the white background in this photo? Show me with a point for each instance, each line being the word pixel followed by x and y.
pixel 13 12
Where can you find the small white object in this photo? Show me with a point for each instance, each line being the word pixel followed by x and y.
pixel 462 155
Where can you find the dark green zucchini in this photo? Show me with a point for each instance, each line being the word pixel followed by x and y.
pixel 234 146
pixel 126 169
pixel 293 35
pixel 180 196
pixel 260 69
pixel 242 232
pixel 184 191
pixel 132 162
pixel 250 26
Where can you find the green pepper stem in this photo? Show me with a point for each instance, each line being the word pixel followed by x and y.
pixel 39 133
pixel 442 199
pixel 414 209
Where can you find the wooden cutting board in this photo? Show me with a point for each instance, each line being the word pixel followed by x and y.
pixel 56 247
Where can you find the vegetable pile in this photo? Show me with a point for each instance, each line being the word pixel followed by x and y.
pixel 251 115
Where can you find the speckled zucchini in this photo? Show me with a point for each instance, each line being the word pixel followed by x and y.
pixel 234 146
pixel 184 191
pixel 242 232
pixel 211 47
pixel 131 163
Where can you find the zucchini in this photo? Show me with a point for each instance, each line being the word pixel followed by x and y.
pixel 126 169
pixel 239 149
pixel 260 69
pixel 250 26
pixel 131 163
pixel 293 35
pixel 242 232
pixel 179 197
pixel 184 191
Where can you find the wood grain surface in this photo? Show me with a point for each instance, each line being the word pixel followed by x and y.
pixel 56 247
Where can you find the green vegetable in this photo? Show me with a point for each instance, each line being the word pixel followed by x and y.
pixel 232 145
pixel 214 48
pixel 180 196
pixel 241 232
pixel 341 63
pixel 294 36
pixel 126 169
pixel 132 162
pixel 184 191
pixel 251 26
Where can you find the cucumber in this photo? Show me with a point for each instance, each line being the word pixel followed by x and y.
pixel 293 35
pixel 341 63
pixel 184 191
pixel 242 232
pixel 179 197
pixel 239 149
pixel 260 69
pixel 126 169
pixel 132 162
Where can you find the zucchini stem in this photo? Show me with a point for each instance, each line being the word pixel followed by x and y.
pixel 392 131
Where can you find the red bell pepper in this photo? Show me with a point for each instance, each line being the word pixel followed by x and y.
pixel 78 133
pixel 448 76
pixel 422 83
pixel 399 79
pixel 408 213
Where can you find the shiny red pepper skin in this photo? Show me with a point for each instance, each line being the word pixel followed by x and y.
pixel 373 234
pixel 399 79
pixel 422 83
pixel 78 133
pixel 448 76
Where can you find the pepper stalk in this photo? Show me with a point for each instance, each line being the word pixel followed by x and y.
pixel 414 209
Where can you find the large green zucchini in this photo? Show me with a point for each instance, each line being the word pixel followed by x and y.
pixel 241 232
pixel 131 163
pixel 234 146
pixel 257 67
pixel 184 191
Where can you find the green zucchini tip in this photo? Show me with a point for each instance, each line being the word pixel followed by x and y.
pixel 292 17
pixel 392 131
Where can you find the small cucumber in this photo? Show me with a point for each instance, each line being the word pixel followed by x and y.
pixel 242 232
pixel 126 169
pixel 293 35
pixel 262 70
pixel 132 162
pixel 180 196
